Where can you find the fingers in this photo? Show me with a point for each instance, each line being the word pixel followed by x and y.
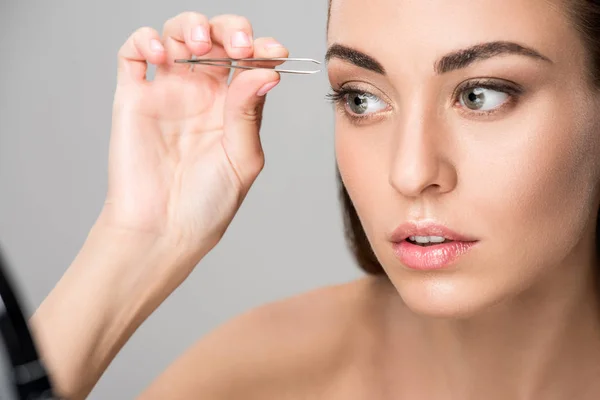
pixel 185 35
pixel 233 33
pixel 242 119
pixel 232 37
pixel 143 46
pixel 265 48
pixel 192 33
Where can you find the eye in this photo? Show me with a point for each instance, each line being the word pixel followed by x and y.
pixel 488 95
pixel 357 104
pixel 482 99
pixel 362 103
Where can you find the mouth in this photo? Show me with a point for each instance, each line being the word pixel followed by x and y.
pixel 427 241
pixel 429 246
pixel 427 233
pixel 430 256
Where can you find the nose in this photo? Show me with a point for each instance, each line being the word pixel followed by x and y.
pixel 421 160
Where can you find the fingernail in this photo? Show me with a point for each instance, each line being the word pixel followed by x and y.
pixel 265 89
pixel 156 46
pixel 240 39
pixel 199 34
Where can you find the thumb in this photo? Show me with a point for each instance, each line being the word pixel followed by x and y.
pixel 242 120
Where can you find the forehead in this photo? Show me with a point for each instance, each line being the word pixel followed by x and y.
pixel 434 27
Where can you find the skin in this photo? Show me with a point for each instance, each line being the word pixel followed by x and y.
pixel 523 181
pixel 517 317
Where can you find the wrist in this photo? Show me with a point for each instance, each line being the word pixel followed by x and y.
pixel 116 281
pixel 143 267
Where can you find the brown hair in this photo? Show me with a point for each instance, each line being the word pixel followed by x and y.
pixel 585 15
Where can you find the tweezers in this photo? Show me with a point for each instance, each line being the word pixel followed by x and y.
pixel 223 62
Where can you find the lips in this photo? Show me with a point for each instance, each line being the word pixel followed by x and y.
pixel 435 255
pixel 427 228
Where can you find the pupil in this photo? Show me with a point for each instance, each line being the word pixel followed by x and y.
pixel 475 98
pixel 359 104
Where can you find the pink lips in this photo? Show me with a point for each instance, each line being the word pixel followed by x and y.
pixel 430 257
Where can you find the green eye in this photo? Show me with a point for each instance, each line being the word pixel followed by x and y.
pixel 482 99
pixel 364 103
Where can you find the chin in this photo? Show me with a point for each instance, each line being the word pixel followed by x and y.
pixel 444 297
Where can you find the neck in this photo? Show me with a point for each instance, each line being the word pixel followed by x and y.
pixel 544 343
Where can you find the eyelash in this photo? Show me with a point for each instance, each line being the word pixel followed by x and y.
pixel 339 96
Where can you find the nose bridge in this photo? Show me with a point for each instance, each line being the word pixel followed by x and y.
pixel 418 159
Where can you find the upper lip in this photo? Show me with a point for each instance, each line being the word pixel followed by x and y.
pixel 427 228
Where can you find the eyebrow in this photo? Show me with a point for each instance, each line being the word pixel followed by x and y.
pixel 355 57
pixel 449 62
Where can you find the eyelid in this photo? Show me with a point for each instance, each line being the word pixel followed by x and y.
pixel 512 89
pixel 345 90
pixel 365 87
pixel 339 98
pixel 496 84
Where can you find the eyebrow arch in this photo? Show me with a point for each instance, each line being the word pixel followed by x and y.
pixel 465 57
pixel 449 62
pixel 355 57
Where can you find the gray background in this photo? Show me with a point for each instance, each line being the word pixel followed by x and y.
pixel 57 79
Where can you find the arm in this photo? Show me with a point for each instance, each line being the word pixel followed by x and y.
pixel 184 151
pixel 104 296
pixel 102 300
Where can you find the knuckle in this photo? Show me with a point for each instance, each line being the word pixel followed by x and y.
pixel 124 47
pixel 240 20
pixel 267 39
pixel 183 16
pixel 263 44
pixel 122 51
pixel 144 32
pixel 130 45
pixel 183 21
pixel 169 23
pixel 253 114
pixel 194 17
pixel 186 18
pixel 250 116
pixel 235 21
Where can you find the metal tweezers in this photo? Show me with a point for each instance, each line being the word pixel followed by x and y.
pixel 223 62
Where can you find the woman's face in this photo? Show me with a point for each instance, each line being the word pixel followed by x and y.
pixel 500 144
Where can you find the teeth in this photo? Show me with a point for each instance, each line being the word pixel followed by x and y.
pixel 427 239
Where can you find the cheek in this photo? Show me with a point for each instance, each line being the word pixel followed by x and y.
pixel 361 157
pixel 537 191
pixel 527 185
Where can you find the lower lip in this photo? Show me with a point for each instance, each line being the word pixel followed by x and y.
pixel 433 257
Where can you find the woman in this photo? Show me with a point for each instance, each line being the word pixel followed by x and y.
pixel 467 141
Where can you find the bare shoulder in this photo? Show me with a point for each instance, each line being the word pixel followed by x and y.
pixel 295 345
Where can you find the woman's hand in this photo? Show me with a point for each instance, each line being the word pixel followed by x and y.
pixel 184 151
pixel 185 147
